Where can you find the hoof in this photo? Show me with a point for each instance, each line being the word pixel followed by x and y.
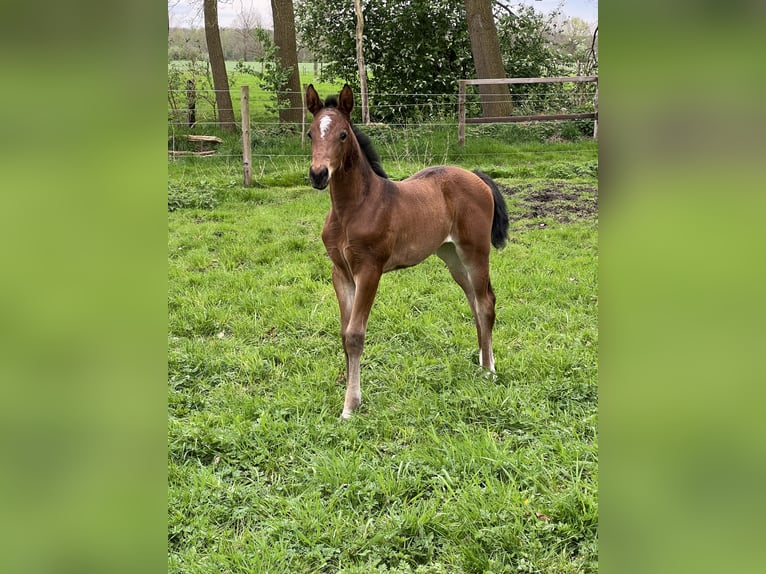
pixel 345 415
pixel 490 375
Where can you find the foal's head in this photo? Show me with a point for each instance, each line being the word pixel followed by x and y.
pixel 330 133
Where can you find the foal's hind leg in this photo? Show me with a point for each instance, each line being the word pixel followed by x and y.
pixel 473 278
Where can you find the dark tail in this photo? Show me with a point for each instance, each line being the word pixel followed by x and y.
pixel 500 216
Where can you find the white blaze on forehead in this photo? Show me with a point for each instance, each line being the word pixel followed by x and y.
pixel 324 124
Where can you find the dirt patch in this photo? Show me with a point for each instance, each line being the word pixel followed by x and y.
pixel 561 202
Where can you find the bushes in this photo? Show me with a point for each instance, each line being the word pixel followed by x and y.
pixel 569 170
pixel 183 194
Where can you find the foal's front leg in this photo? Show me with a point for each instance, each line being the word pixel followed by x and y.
pixel 344 292
pixel 366 285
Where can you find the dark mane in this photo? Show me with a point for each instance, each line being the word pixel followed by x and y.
pixel 369 152
pixel 368 149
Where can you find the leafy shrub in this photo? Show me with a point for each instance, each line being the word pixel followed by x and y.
pixel 568 170
pixel 570 131
pixel 587 169
pixel 184 195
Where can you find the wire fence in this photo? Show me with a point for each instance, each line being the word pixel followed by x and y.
pixel 194 127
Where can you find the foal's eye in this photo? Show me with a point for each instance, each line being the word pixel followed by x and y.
pixel 308 135
pixel 343 136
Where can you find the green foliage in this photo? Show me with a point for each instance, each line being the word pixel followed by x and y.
pixel 418 47
pixel 570 131
pixel 423 47
pixel 186 44
pixel 186 194
pixel 524 44
pixel 570 170
pixel 274 76
pixel 189 76
pixel 574 43
pixel 193 74
pixel 533 46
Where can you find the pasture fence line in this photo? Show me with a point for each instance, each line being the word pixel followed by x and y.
pixel 462 120
pixel 193 118
pixel 429 107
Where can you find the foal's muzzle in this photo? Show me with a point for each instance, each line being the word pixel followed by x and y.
pixel 319 177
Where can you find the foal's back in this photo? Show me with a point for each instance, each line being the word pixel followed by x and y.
pixel 464 197
pixel 437 205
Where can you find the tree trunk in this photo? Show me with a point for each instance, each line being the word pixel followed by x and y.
pixel 360 60
pixel 218 66
pixel 284 38
pixel 495 100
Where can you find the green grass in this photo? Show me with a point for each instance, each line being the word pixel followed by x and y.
pixel 442 469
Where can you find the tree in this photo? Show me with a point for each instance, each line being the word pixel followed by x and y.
pixel 528 52
pixel 415 52
pixel 495 99
pixel 572 38
pixel 247 23
pixel 284 38
pixel 218 66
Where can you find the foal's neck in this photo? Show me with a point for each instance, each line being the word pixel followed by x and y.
pixel 353 180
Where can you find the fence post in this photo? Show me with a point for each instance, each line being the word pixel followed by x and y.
pixel 191 103
pixel 303 115
pixel 595 109
pixel 461 113
pixel 247 152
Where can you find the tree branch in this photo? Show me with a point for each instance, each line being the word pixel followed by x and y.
pixel 592 51
pixel 505 7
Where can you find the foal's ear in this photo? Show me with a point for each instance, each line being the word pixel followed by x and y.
pixel 313 102
pixel 346 100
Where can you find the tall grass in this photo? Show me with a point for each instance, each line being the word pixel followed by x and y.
pixel 517 152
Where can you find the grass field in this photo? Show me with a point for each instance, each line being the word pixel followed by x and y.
pixel 442 470
pixel 260 101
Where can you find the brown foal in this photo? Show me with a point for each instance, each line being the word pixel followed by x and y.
pixel 376 225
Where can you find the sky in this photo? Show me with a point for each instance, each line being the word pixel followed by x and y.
pixel 184 13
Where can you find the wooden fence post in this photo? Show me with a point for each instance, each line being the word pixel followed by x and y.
pixel 595 110
pixel 191 103
pixel 303 115
pixel 247 152
pixel 461 113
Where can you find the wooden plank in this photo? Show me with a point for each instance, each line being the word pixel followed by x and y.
pixel 196 138
pixel 181 152
pixel 536 118
pixel 490 81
